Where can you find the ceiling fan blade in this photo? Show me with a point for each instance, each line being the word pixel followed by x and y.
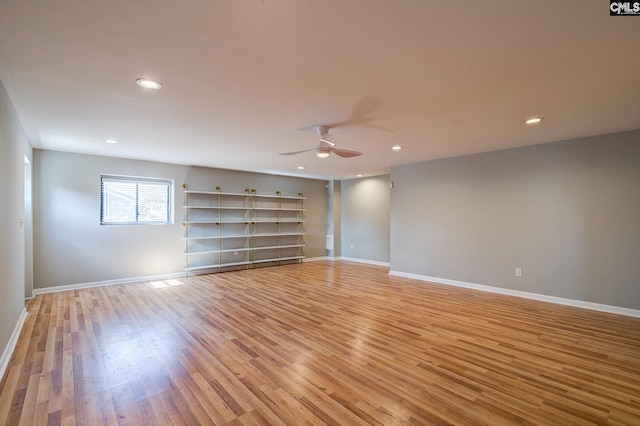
pixel 297 152
pixel 345 153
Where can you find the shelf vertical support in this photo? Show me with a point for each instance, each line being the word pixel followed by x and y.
pixel 279 194
pixel 219 189
pixel 300 221
pixel 254 226
pixel 250 231
pixel 186 228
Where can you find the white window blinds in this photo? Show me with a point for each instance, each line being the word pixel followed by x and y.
pixel 128 200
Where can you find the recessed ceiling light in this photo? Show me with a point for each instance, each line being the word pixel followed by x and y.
pixel 533 120
pixel 145 83
pixel 358 175
pixel 396 147
pixel 300 167
pixel 113 141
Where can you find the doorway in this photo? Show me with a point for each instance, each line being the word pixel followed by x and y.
pixel 27 223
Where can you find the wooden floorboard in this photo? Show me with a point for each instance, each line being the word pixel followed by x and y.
pixel 317 343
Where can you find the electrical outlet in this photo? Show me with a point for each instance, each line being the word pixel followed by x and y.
pixel 518 272
pixel 351 245
pixel 235 252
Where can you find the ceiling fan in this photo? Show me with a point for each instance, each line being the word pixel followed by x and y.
pixel 326 146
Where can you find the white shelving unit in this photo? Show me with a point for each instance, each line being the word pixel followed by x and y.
pixel 229 230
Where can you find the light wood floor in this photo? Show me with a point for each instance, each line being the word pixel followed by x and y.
pixel 314 343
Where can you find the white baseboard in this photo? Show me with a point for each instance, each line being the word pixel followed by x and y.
pixel 315 259
pixel 541 297
pixel 54 289
pixel 67 287
pixel 11 345
pixel 369 262
pixel 544 298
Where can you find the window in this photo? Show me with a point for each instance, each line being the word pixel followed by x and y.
pixel 127 200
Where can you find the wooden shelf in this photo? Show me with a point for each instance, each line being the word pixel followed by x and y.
pixel 216 237
pixel 218 207
pixel 241 216
pixel 216 193
pixel 278 259
pixel 278 247
pixel 278 197
pixel 215 266
pixel 278 221
pixel 279 209
pixel 284 234
pixel 232 250
pixel 216 222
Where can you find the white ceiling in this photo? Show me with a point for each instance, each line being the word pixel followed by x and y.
pixel 243 79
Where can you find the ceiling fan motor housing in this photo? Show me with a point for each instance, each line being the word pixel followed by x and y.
pixel 325 136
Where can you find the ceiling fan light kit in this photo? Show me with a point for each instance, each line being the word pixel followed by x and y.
pixel 323 151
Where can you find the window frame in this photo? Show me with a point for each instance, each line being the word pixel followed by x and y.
pixel 137 180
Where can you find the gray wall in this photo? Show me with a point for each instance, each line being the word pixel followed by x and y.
pixel 334 223
pixel 72 247
pixel 567 213
pixel 13 148
pixel 365 218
